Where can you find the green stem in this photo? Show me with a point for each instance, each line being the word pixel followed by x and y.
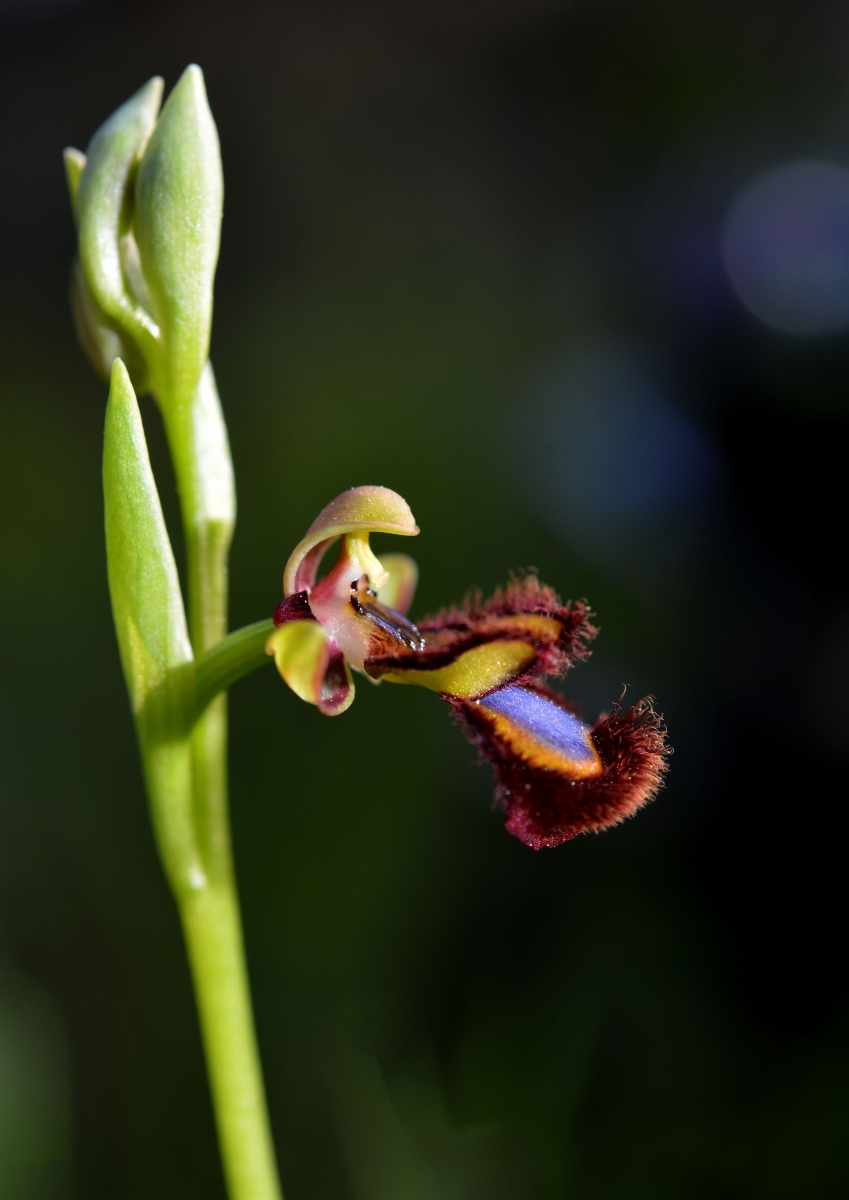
pixel 209 909
pixel 214 939
pixel 229 660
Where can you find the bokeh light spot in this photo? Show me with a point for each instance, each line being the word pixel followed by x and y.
pixel 785 245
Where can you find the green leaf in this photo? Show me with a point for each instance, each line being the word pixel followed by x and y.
pixel 151 625
pixel 179 195
pixel 104 198
pixel 146 602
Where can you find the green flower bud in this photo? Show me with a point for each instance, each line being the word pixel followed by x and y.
pixel 104 205
pixel 100 338
pixel 179 191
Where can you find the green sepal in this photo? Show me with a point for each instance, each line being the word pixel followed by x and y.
pixel 147 606
pixel 179 194
pixel 104 207
pixel 75 162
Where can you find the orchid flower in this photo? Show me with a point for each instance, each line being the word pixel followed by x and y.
pixel 557 776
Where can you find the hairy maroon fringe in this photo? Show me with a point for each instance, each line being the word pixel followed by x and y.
pixel 544 808
pixel 522 595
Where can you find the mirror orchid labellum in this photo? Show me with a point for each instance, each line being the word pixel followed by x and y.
pixel 557 776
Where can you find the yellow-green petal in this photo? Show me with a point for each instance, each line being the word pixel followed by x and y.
pixel 300 655
pixel 400 587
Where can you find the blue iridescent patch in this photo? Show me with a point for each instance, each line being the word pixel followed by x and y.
pixel 546 722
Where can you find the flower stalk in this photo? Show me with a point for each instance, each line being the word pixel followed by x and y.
pixel 147 200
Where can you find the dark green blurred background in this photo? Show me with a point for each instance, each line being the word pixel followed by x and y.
pixel 471 251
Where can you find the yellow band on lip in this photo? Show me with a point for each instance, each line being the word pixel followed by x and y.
pixel 478 670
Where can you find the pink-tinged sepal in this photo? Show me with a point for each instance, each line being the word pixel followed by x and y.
pixel 358 512
pixel 558 777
